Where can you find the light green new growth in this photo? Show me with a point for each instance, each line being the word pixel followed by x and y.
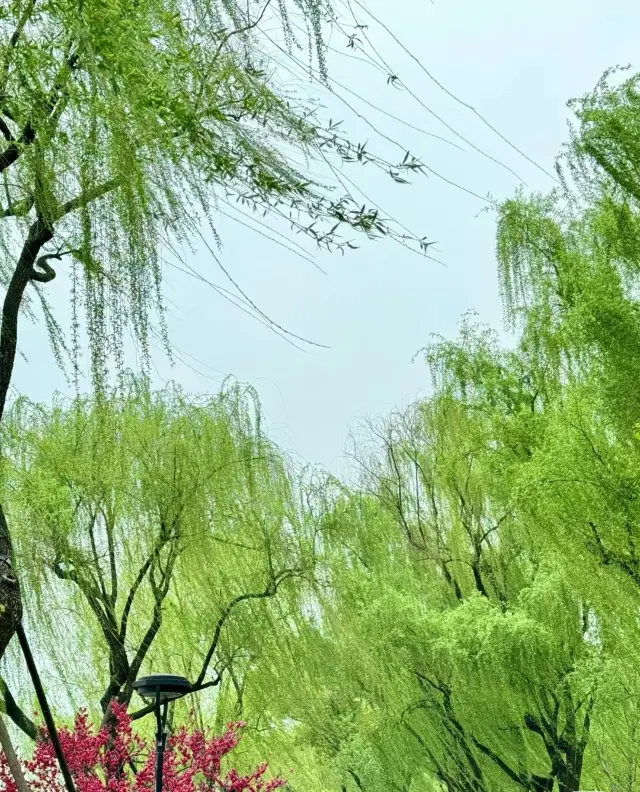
pixel 464 616
pixel 124 121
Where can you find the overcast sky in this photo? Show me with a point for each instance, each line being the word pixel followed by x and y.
pixel 517 63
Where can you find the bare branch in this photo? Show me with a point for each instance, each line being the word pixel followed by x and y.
pixel 240 31
pixel 270 591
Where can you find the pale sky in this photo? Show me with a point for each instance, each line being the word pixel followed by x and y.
pixel 517 63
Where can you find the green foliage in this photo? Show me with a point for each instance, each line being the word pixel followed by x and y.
pixel 138 520
pixel 480 623
pixel 125 123
pixel 462 619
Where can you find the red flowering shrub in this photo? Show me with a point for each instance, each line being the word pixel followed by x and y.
pixel 120 761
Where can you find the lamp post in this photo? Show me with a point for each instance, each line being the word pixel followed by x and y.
pixel 159 690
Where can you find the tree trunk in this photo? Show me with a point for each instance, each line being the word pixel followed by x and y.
pixel 15 768
pixel 39 234
pixel 10 598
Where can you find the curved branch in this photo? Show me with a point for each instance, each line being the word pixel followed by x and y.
pixel 270 591
pixel 39 234
pixel 48 273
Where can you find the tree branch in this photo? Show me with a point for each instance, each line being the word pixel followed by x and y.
pixel 609 559
pixel 13 41
pixel 131 596
pixel 48 273
pixel 519 779
pixel 15 768
pixel 96 557
pixel 109 520
pixel 270 591
pixel 17 715
pixel 28 135
pixel 10 597
pixel 39 234
pixel 20 209
pixel 46 711
pixel 245 29
pixel 159 593
pixel 85 198
pixel 6 131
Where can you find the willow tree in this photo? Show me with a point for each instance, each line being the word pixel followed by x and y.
pixel 569 266
pixel 151 528
pixel 122 123
pixel 477 623
pixel 545 478
pixel 446 650
pixel 501 690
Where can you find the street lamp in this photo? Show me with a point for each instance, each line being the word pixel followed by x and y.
pixel 159 690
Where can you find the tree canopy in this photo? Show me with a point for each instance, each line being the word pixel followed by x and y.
pixel 123 125
pixel 126 121
pixel 463 615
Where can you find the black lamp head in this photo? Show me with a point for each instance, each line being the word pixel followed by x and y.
pixel 167 686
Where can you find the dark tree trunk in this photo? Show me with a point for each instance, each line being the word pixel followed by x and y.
pixel 39 234
pixel 10 599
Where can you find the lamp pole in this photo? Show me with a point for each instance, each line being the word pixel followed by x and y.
pixel 161 736
pixel 159 690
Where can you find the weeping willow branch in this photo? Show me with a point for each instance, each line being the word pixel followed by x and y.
pixel 199 685
pixel 53 105
pixel 13 41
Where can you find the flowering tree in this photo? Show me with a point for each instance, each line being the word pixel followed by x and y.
pixel 118 760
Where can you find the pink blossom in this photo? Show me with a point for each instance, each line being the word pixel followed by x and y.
pixel 118 760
